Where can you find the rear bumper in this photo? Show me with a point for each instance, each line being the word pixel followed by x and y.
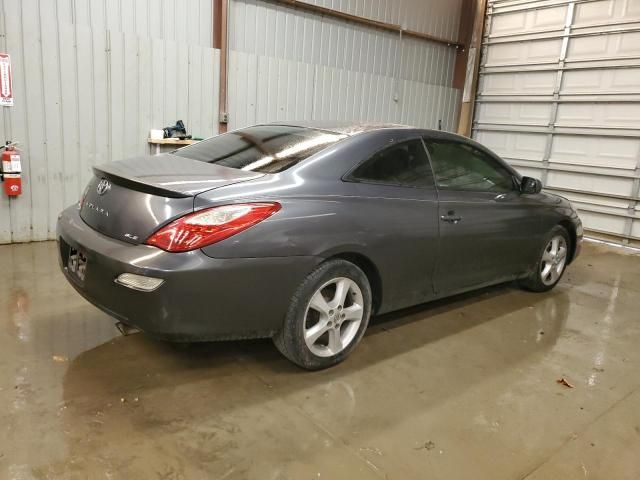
pixel 202 298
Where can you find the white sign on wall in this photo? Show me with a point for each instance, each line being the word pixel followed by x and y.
pixel 6 81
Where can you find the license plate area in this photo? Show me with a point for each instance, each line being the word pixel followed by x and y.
pixel 77 263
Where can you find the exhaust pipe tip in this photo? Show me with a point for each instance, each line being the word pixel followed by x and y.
pixel 126 330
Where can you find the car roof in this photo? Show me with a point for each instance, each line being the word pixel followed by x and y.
pixel 344 128
pixel 354 128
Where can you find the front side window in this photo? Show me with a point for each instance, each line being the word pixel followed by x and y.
pixel 263 148
pixel 405 164
pixel 458 166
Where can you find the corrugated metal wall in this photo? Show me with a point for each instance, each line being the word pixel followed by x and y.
pixel 559 97
pixel 436 17
pixel 90 79
pixel 181 21
pixel 288 64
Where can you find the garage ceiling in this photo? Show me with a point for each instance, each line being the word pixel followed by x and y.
pixel 559 98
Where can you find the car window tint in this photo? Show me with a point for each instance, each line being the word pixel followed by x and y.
pixel 405 164
pixel 458 166
pixel 263 148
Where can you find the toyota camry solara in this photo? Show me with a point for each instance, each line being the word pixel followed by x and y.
pixel 300 232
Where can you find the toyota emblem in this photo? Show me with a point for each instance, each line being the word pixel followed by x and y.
pixel 103 186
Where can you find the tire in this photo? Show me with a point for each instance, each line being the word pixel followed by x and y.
pixel 550 266
pixel 318 330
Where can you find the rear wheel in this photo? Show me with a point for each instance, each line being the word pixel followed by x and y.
pixel 551 262
pixel 328 316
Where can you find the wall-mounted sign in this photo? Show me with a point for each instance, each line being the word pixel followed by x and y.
pixel 6 81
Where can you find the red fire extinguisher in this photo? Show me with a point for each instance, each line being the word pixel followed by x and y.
pixel 11 170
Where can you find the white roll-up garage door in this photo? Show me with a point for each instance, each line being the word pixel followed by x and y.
pixel 559 98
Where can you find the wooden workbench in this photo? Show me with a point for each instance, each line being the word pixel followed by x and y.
pixel 167 141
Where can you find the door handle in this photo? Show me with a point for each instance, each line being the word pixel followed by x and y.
pixel 450 217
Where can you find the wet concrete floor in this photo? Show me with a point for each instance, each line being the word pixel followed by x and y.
pixel 459 389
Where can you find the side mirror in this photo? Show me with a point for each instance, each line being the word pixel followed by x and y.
pixel 530 185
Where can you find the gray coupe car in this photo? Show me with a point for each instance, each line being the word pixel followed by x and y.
pixel 300 232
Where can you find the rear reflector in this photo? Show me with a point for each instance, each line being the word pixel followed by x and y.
pixel 202 228
pixel 139 282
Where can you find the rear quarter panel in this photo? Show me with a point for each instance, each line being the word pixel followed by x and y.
pixel 399 236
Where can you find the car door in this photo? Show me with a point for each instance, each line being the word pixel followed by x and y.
pixel 397 202
pixel 488 229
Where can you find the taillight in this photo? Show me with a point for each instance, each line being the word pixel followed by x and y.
pixel 202 228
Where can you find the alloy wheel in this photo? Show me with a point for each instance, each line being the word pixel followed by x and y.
pixel 553 261
pixel 333 317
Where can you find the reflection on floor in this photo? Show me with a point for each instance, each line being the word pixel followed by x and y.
pixel 463 388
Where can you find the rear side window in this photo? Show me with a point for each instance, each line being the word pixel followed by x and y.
pixel 263 148
pixel 405 164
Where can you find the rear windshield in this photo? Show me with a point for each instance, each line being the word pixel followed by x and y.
pixel 263 148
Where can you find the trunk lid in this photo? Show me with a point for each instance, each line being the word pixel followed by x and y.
pixel 130 199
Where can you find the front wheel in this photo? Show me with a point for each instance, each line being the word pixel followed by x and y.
pixel 328 316
pixel 551 263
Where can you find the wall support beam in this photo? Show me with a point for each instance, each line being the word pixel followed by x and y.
pixel 390 27
pixel 220 41
pixel 471 73
pixel 465 30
